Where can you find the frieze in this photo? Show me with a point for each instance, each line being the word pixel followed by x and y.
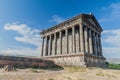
pixel 70 25
pixel 80 18
pixel 63 23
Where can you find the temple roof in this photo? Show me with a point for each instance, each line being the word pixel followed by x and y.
pixel 83 16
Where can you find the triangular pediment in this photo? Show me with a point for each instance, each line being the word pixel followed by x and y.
pixel 91 21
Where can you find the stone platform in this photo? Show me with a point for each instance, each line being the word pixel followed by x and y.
pixel 25 62
pixel 84 60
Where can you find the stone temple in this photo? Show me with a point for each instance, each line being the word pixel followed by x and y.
pixel 76 41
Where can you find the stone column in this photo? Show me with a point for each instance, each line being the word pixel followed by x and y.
pixel 81 38
pixel 95 46
pixel 42 47
pixel 55 47
pixel 97 43
pixel 90 42
pixel 100 45
pixel 86 39
pixel 46 46
pixel 73 38
pixel 49 49
pixel 66 32
pixel 60 36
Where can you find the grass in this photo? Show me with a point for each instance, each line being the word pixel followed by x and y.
pixel 69 78
pixel 114 66
pixel 80 79
pixel 33 70
pixel 50 79
pixel 75 69
pixel 100 74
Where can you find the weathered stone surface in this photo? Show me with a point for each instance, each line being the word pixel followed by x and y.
pixel 78 60
pixel 75 42
pixel 24 62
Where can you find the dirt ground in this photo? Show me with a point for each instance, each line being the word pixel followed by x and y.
pixel 68 73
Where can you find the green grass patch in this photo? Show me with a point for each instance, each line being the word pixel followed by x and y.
pixel 100 74
pixel 33 70
pixel 75 69
pixel 80 79
pixel 114 66
pixel 69 78
pixel 50 79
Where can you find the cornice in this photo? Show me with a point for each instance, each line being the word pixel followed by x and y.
pixel 82 16
pixel 63 23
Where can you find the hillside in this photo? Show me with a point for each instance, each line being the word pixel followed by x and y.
pixel 114 60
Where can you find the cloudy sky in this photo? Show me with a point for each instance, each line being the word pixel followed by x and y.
pixel 22 20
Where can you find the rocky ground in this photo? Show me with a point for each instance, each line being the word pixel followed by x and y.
pixel 68 73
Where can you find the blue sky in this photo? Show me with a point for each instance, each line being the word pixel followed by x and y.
pixel 22 20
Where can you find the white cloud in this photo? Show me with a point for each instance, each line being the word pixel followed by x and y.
pixel 111 43
pixel 112 37
pixel 115 9
pixel 111 52
pixel 28 36
pixel 57 19
pixel 113 13
pixel 21 51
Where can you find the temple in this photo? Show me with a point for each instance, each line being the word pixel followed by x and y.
pixel 76 41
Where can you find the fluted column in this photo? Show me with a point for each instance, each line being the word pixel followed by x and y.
pixel 44 51
pixel 73 38
pixel 81 38
pixel 90 42
pixel 49 49
pixel 66 32
pixel 86 39
pixel 97 43
pixel 60 36
pixel 55 47
pixel 95 47
pixel 100 44
pixel 45 48
pixel 42 47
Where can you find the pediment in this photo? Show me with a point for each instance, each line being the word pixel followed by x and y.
pixel 91 21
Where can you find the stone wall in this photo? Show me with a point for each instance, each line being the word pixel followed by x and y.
pixel 24 62
pixel 85 60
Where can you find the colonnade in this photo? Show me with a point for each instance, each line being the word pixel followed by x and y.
pixel 72 40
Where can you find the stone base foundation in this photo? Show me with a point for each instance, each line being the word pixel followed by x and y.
pixel 26 62
pixel 85 60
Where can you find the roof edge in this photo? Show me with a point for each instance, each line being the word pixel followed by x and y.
pixel 71 19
